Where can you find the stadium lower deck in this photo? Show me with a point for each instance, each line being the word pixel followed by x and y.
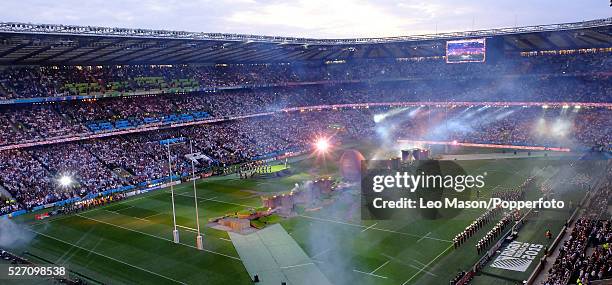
pixel 130 241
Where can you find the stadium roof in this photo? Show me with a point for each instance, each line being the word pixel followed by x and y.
pixel 44 44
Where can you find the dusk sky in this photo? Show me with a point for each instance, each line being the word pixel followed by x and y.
pixel 306 18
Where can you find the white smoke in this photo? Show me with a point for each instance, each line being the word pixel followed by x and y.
pixel 13 235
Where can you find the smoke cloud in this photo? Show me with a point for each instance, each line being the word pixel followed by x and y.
pixel 13 235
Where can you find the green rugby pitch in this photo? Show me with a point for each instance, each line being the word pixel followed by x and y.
pixel 130 242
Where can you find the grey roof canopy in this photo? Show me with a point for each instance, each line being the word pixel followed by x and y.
pixel 33 44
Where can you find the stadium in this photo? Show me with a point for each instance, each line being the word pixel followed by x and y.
pixel 138 156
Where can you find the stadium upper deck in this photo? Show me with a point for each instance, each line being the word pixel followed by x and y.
pixel 44 44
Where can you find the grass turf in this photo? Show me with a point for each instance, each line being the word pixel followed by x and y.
pixel 130 242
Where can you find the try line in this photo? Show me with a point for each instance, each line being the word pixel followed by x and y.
pixel 154 236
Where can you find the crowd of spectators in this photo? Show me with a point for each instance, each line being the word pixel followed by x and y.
pixel 571 252
pixel 515 126
pixel 586 255
pixel 38 122
pixel 598 264
pixel 7 205
pixel 32 175
pixel 79 163
pixel 29 82
pixel 25 179
pixel 115 161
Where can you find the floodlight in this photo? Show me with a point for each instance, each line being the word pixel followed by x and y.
pixel 65 181
pixel 322 145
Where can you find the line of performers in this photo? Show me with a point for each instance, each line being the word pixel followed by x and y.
pixel 496 231
pixel 91 203
pixel 487 216
pixel 510 195
pixel 479 223
pixel 250 169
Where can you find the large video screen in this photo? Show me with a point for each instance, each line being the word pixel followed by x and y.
pixel 460 51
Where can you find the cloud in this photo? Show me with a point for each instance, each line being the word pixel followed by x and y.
pixel 327 18
pixel 430 9
pixel 304 18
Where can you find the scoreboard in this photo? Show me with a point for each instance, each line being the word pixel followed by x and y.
pixel 468 50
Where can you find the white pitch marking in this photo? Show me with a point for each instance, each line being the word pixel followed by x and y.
pixel 111 258
pixel 77 242
pixel 380 267
pixel 188 228
pixel 423 237
pixel 214 199
pixel 299 265
pixel 128 207
pixel 421 264
pixel 230 203
pixel 371 226
pixel 147 217
pixel 208 199
pixel 144 220
pixel 117 213
pixel 154 236
pixel 428 264
pixel 496 186
pixel 418 262
pixel 367 273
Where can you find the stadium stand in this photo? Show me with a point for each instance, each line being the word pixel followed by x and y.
pixel 105 122
pixel 586 255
